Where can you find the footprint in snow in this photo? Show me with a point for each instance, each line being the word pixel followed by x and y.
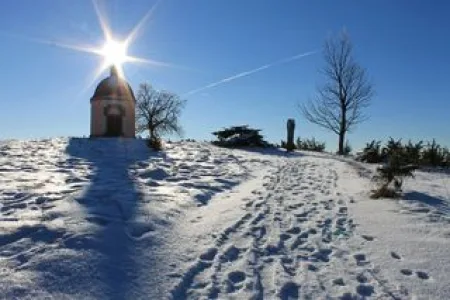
pixel 231 254
pixel 368 238
pixel 406 272
pixel 294 230
pixel 360 259
pixel 312 267
pixel 322 255
pixel 342 210
pixel 422 275
pixel 362 278
pixel 140 230
pixel 312 231
pixel 339 281
pixel 365 290
pixel 285 236
pixel 209 254
pixel 236 277
pixel 249 204
pixel 41 200
pixel 289 290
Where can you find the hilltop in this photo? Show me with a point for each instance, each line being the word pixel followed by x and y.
pixel 111 219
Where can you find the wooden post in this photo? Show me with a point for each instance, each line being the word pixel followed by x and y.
pixel 290 135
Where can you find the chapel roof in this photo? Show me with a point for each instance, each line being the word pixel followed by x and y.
pixel 113 86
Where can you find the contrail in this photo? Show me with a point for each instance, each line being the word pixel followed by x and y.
pixel 246 73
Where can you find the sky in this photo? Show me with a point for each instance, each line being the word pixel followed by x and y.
pixel 404 46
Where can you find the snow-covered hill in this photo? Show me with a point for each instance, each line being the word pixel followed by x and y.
pixel 109 219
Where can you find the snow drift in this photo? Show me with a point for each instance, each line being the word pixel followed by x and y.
pixel 110 219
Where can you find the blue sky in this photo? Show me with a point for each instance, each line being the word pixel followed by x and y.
pixel 404 45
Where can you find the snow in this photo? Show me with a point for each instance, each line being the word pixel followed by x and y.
pixel 110 219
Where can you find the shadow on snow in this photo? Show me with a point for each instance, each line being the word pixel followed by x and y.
pixel 422 198
pixel 270 151
pixel 107 247
pixel 111 207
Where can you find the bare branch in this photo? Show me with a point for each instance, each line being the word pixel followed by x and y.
pixel 158 112
pixel 340 102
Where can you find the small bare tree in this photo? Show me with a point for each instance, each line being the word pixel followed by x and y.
pixel 157 112
pixel 341 100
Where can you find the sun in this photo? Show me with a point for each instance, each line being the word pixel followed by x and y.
pixel 115 53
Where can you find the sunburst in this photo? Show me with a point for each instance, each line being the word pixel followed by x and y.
pixel 113 51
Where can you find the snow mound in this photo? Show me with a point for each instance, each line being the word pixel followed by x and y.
pixel 111 219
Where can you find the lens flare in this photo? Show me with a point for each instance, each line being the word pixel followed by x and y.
pixel 115 53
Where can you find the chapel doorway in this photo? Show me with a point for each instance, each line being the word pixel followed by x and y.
pixel 114 125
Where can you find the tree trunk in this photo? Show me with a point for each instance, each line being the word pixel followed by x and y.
pixel 342 126
pixel 151 132
pixel 341 142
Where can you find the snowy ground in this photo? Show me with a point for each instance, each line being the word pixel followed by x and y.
pixel 109 219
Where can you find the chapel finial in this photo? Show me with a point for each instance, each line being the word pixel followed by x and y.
pixel 113 71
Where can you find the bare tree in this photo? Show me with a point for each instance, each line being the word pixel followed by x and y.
pixel 347 92
pixel 157 112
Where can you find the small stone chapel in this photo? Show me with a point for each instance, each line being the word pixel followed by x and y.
pixel 113 108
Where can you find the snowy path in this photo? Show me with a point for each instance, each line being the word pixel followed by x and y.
pixel 104 219
pixel 291 242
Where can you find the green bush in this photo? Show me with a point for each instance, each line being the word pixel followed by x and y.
pixel 446 156
pixel 393 147
pixel 372 153
pixel 430 155
pixel 413 152
pixel 435 155
pixel 390 176
pixel 240 136
pixel 284 145
pixel 310 145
